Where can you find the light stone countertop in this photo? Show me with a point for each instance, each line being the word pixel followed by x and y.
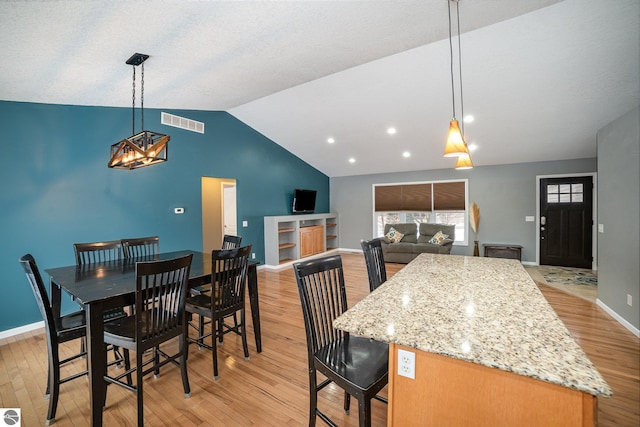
pixel 483 310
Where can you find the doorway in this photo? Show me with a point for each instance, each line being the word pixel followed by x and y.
pixel 219 213
pixel 565 221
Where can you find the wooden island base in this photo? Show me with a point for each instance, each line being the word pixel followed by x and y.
pixel 452 392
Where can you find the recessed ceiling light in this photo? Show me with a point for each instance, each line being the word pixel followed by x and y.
pixel 468 118
pixel 352 160
pixel 391 131
pixel 406 154
pixel 331 140
pixel 473 147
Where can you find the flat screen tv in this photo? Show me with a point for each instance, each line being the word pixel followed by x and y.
pixel 304 201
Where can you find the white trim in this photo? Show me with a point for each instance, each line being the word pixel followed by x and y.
pixel 594 214
pixel 290 263
pixel 21 330
pixel 635 331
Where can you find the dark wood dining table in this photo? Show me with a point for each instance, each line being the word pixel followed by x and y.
pixel 103 285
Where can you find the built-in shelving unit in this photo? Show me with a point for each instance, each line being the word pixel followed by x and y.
pixel 292 237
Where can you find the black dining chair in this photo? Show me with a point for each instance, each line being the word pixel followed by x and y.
pixel 358 365
pixel 231 242
pixel 228 242
pixel 226 298
pixel 374 259
pixel 102 252
pixel 159 316
pixel 58 329
pixel 88 253
pixel 141 247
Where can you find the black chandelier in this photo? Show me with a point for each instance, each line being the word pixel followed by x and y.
pixel 141 149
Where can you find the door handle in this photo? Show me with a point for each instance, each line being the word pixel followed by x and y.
pixel 543 220
pixel 541 228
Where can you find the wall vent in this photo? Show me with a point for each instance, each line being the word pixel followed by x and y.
pixel 181 122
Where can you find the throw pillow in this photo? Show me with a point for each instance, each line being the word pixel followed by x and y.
pixel 438 238
pixel 394 235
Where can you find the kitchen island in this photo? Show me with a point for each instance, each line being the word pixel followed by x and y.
pixel 488 348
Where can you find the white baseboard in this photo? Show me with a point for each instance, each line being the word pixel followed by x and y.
pixel 290 263
pixel 21 330
pixel 635 331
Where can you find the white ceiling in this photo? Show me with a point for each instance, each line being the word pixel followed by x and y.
pixel 540 76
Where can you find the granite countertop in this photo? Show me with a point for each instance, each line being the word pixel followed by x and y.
pixel 483 310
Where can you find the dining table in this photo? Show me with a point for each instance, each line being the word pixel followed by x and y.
pixel 109 284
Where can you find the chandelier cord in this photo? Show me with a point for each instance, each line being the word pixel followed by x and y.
pixel 453 96
pixel 133 103
pixel 142 97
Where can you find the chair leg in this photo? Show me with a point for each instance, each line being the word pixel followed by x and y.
pixel 53 385
pixel 200 331
pixel 214 351
pixel 313 397
pixel 127 365
pixel 139 394
pixel 243 333
pixel 347 402
pixel 220 331
pixel 364 412
pixel 184 350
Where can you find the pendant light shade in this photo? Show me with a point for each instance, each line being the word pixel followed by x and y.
pixel 141 149
pixel 455 142
pixel 464 162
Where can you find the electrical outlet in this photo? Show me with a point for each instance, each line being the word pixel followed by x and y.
pixel 629 300
pixel 407 364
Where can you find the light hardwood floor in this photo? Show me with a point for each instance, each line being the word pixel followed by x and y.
pixel 271 388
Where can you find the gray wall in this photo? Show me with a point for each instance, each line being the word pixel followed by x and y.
pixel 504 194
pixel 618 207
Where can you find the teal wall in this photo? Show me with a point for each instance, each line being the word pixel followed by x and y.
pixel 56 188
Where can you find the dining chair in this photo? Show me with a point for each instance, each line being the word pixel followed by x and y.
pixel 58 330
pixel 228 242
pixel 226 298
pixel 231 242
pixel 87 253
pixel 141 247
pixel 374 259
pixel 358 365
pixel 159 316
pixel 102 252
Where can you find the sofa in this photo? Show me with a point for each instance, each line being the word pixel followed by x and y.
pixel 415 241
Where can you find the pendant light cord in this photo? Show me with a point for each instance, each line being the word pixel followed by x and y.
pixel 460 65
pixel 453 96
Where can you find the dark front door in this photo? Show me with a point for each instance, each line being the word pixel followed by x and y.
pixel 566 211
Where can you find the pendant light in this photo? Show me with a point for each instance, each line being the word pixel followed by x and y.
pixel 456 145
pixel 141 149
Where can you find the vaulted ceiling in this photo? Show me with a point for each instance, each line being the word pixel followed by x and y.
pixel 539 76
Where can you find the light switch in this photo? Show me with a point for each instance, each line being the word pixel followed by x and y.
pixel 600 228
pixel 529 218
pixel 245 223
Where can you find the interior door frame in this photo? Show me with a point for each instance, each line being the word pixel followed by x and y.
pixel 594 229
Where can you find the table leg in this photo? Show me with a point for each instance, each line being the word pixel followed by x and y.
pixel 252 283
pixel 56 298
pixel 97 358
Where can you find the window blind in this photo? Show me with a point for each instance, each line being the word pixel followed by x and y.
pixel 448 196
pixel 408 197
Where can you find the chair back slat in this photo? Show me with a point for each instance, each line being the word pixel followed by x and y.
pixel 141 247
pixel 231 242
pixel 88 253
pixel 229 277
pixel 161 289
pixel 374 259
pixel 323 298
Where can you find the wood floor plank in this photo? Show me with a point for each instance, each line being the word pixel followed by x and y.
pixel 271 388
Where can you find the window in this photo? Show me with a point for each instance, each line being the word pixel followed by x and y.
pixel 565 193
pixel 440 202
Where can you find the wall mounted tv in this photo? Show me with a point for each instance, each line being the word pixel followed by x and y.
pixel 304 201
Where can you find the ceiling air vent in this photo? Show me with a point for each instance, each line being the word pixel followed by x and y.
pixel 181 122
